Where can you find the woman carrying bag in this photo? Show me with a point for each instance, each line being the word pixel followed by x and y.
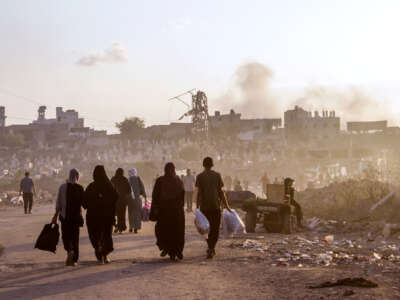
pixel 68 210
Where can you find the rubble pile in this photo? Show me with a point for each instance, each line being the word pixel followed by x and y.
pixel 351 200
pixel 298 251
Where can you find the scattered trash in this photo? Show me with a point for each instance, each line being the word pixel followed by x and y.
pixel 329 239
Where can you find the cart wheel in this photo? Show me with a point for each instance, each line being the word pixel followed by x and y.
pixel 287 224
pixel 251 221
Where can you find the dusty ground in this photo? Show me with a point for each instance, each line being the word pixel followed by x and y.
pixel 137 271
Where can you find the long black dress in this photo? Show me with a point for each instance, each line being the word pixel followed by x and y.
pixel 100 201
pixel 73 216
pixel 123 188
pixel 168 202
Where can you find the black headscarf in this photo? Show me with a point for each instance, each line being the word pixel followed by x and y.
pixel 101 179
pixel 169 170
pixel 100 175
pixel 172 185
pixel 119 172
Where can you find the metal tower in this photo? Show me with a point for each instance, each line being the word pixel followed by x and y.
pixel 198 111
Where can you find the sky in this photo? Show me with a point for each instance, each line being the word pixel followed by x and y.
pixel 115 59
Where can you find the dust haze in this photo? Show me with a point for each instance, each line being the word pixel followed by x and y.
pixel 252 94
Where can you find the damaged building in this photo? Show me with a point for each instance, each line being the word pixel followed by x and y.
pixel 46 131
pixel 302 124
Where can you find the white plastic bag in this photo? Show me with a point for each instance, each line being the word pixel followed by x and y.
pixel 231 223
pixel 202 224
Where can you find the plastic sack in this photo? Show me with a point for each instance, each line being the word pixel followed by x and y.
pixel 48 238
pixel 146 211
pixel 232 224
pixel 201 222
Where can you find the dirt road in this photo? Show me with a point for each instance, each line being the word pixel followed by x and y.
pixel 137 271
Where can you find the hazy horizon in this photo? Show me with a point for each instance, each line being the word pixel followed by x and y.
pixel 111 60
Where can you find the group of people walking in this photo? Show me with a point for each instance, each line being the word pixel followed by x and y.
pixel 105 202
pixel 129 192
pixel 104 199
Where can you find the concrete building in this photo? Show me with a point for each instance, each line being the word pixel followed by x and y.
pixel 69 117
pixel 41 134
pixel 2 116
pixel 220 120
pixel 300 123
pixel 366 127
pixel 245 127
pixel 173 130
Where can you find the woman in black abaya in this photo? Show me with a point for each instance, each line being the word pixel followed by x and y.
pixel 100 201
pixel 123 188
pixel 167 209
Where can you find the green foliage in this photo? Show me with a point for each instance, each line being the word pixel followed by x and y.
pixel 131 127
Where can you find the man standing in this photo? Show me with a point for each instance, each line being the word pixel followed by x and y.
pixel 27 189
pixel 188 184
pixel 289 193
pixel 210 197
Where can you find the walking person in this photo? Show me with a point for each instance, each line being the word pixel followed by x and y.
pixel 27 189
pixel 68 210
pixel 135 201
pixel 210 198
pixel 123 188
pixel 188 183
pixel 167 208
pixel 100 202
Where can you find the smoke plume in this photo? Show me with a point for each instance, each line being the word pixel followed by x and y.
pixel 351 104
pixel 250 93
pixel 115 54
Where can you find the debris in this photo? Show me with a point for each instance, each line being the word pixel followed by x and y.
pixel 329 239
pixel 354 282
pixel 377 256
pixel 324 258
pixel 390 229
pixel 382 201
pixel 348 293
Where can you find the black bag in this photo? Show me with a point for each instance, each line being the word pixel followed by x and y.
pixel 48 238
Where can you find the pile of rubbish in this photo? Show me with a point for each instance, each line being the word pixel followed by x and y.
pixel 351 199
pixel 12 198
pixel 297 251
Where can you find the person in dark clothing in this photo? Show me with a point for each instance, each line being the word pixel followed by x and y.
pixel 68 209
pixel 100 202
pixel 210 197
pixel 135 201
pixel 167 208
pixel 289 193
pixel 123 188
pixel 27 189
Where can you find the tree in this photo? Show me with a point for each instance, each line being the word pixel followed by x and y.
pixel 130 127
